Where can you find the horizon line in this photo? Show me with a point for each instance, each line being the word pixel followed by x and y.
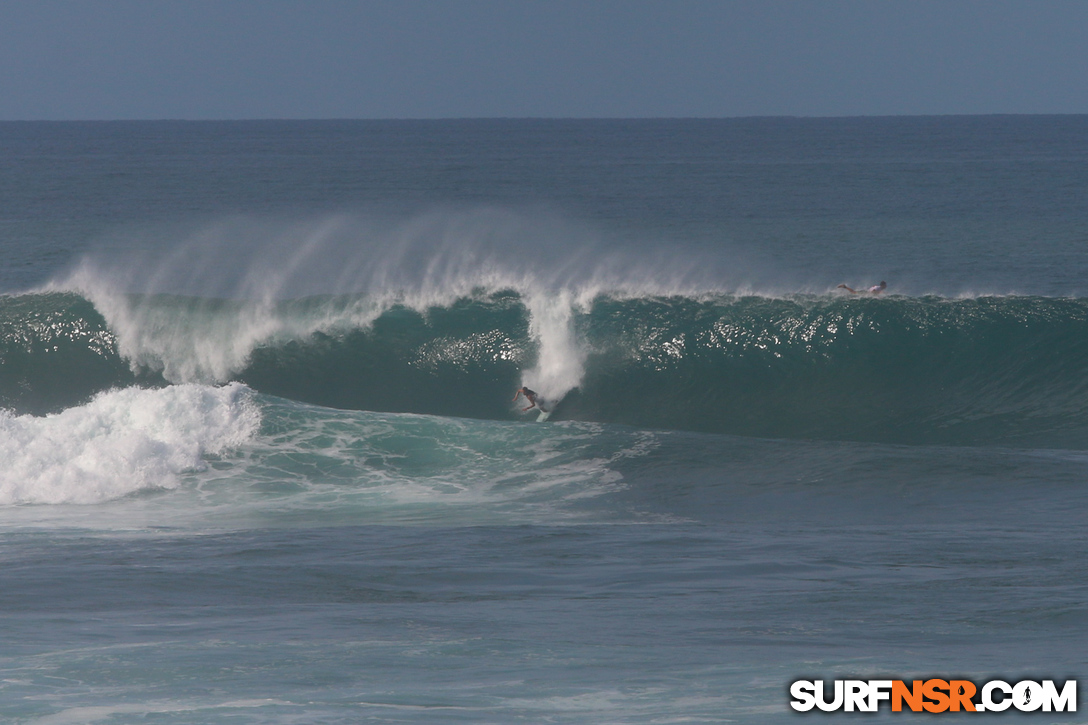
pixel 292 119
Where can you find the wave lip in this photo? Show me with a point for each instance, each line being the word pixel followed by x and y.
pixel 121 442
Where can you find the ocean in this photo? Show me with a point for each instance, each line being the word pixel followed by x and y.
pixel 261 461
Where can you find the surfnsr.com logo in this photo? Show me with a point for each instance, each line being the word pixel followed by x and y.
pixel 934 695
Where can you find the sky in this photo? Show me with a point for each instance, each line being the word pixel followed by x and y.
pixel 250 59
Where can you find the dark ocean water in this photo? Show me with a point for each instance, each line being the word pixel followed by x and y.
pixel 262 463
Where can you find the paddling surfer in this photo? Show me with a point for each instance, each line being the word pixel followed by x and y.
pixel 874 290
pixel 531 397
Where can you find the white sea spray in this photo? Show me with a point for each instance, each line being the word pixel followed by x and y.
pixel 121 442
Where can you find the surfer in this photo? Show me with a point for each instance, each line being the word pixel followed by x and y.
pixel 874 290
pixel 531 397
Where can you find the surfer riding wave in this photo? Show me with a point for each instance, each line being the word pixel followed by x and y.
pixel 531 396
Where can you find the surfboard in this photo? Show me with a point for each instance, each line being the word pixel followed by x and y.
pixel 544 415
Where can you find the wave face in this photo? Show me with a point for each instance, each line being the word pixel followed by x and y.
pixel 986 370
pixel 55 351
pixel 989 370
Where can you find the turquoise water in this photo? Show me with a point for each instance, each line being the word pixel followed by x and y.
pixel 262 463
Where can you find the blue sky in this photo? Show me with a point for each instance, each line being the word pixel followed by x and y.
pixel 235 59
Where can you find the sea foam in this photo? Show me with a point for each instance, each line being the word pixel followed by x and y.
pixel 121 442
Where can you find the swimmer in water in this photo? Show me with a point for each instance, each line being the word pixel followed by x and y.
pixel 531 397
pixel 874 290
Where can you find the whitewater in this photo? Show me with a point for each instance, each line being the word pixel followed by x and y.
pixel 261 461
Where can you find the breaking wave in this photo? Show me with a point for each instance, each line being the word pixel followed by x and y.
pixel 985 370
